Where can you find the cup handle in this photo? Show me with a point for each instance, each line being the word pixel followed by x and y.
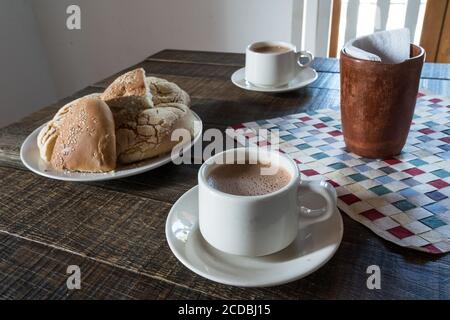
pixel 302 54
pixel 327 191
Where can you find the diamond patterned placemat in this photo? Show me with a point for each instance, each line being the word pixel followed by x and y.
pixel 405 199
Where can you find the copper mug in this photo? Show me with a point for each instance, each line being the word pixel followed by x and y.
pixel 377 103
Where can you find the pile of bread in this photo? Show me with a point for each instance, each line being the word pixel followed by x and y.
pixel 132 120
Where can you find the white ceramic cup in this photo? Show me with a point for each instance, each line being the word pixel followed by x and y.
pixel 274 69
pixel 258 225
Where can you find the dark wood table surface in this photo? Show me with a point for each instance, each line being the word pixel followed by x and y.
pixel 114 230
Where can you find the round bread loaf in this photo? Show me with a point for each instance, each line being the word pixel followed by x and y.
pixel 149 135
pixel 49 133
pixel 87 139
pixel 130 90
pixel 164 92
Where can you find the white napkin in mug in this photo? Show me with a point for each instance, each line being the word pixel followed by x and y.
pixel 391 46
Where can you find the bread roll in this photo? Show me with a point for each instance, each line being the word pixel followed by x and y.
pixel 164 92
pixel 143 130
pixel 86 140
pixel 49 133
pixel 149 135
pixel 145 111
pixel 130 90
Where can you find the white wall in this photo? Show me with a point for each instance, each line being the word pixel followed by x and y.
pixel 118 33
pixel 114 35
pixel 25 81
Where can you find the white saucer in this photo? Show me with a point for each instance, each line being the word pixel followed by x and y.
pixel 314 246
pixel 29 154
pixel 304 77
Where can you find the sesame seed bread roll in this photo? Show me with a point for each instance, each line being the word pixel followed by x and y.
pixel 49 133
pixel 87 139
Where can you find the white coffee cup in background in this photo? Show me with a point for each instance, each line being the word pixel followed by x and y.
pixel 263 224
pixel 274 63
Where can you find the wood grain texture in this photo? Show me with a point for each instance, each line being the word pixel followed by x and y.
pixel 443 54
pixel 437 71
pixel 31 270
pixel 115 230
pixel 323 65
pixel 432 28
pixel 335 22
pixel 127 231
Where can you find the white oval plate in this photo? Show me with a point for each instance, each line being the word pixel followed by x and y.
pixel 314 246
pixel 29 154
pixel 303 78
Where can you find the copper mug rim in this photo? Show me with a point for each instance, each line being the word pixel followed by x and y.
pixel 420 55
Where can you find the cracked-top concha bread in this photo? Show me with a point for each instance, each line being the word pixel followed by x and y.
pixel 164 91
pixel 149 135
pixel 87 138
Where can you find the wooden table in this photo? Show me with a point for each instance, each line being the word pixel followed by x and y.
pixel 115 230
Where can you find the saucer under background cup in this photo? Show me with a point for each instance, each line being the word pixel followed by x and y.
pixel 303 78
pixel 313 247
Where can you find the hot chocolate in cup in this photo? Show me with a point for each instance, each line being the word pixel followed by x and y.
pixel 249 201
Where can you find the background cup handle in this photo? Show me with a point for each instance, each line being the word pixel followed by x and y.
pixel 324 189
pixel 302 54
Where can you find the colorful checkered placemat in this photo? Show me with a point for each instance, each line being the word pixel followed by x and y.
pixel 405 199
